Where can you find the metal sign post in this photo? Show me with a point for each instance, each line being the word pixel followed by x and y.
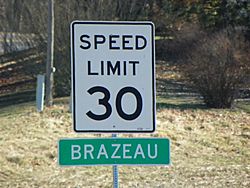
pixel 115 171
pixel 40 92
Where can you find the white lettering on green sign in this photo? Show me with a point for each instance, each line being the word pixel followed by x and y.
pixel 108 151
pixel 88 151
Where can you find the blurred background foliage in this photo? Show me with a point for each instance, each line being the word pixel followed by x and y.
pixel 181 28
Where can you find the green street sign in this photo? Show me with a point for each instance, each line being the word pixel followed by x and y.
pixel 114 151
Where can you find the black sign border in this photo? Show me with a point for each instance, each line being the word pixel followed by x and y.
pixel 72 38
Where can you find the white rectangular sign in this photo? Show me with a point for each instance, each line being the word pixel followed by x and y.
pixel 113 76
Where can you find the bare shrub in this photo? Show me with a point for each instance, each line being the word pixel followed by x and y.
pixel 178 43
pixel 218 66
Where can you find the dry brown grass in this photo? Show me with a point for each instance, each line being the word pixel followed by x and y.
pixel 210 148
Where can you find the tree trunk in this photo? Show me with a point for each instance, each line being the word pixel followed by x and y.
pixel 50 55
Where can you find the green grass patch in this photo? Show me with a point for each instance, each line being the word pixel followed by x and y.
pixel 179 103
pixel 164 37
pixel 244 105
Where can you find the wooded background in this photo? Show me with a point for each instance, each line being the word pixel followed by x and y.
pixel 208 42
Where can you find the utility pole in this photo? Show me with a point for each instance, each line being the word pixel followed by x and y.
pixel 50 55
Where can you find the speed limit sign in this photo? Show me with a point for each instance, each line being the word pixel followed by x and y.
pixel 113 77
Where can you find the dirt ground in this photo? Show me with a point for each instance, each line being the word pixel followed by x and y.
pixel 209 148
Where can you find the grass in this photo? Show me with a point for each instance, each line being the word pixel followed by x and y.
pixel 244 105
pixel 17 98
pixel 209 148
pixel 164 38
pixel 180 103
